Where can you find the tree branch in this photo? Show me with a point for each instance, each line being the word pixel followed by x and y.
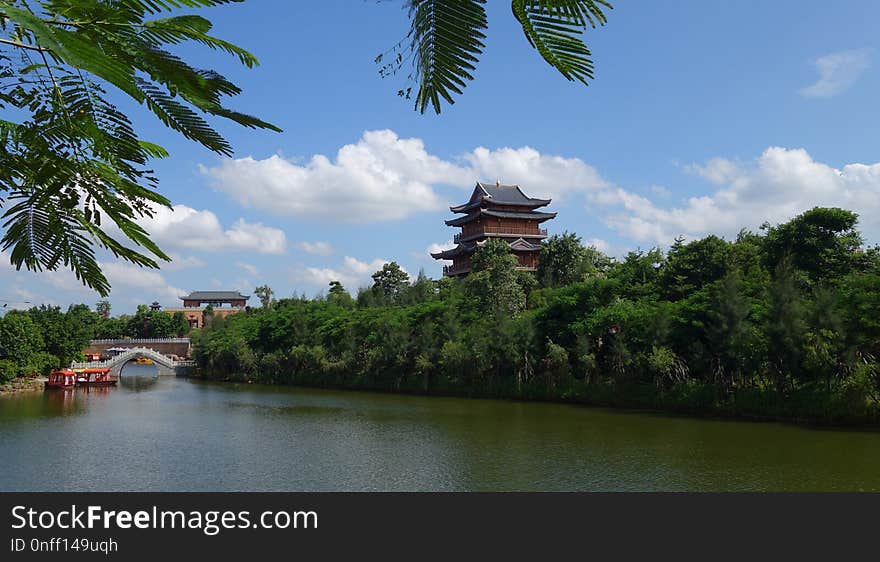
pixel 23 45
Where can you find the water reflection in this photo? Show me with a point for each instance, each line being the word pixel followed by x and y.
pixel 138 383
pixel 60 402
pixel 95 390
pixel 177 434
pixel 137 377
pixel 50 403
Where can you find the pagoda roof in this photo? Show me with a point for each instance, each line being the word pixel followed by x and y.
pixel 498 194
pixel 531 215
pixel 466 248
pixel 462 249
pixel 215 296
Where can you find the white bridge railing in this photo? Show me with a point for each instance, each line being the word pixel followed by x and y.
pixel 143 340
pixel 131 354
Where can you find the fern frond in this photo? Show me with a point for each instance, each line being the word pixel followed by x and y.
pixel 192 28
pixel 447 37
pixel 554 28
pixel 74 48
pixel 158 6
pixel 42 234
pixel 182 119
pixel 74 160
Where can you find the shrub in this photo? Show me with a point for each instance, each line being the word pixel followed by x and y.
pixel 43 363
pixel 555 364
pixel 8 370
pixel 855 393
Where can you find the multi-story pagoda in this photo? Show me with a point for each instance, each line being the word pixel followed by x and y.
pixel 496 211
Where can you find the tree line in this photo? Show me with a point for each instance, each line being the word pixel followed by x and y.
pixel 44 337
pixel 780 323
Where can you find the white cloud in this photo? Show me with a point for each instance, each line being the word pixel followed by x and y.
pixel 24 285
pixel 838 72
pixel 143 285
pixel 781 184
pixel 384 177
pixel 316 248
pixel 62 279
pixel 130 283
pixel 28 298
pixel 186 228
pixel 541 175
pixel 381 177
pixel 716 170
pixel 599 244
pixel 435 248
pixel 6 268
pixel 660 191
pixel 249 268
pixel 14 295
pixel 352 273
pixel 179 262
pixel 245 286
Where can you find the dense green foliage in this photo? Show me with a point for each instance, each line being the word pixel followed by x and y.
pixel 72 163
pixel 781 324
pixel 44 338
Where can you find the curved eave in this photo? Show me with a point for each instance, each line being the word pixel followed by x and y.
pixel 531 204
pixel 460 250
pixel 532 216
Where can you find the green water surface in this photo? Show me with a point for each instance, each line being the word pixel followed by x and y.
pixel 164 433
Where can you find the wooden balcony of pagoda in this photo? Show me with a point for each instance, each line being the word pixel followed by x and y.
pixel 489 230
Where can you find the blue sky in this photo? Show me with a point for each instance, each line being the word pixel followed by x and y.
pixel 705 116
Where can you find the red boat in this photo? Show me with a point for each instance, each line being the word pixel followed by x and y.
pixel 95 377
pixel 62 379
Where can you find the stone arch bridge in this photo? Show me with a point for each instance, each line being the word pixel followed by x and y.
pixel 168 346
pixel 164 364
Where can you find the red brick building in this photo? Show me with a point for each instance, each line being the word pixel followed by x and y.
pixel 497 211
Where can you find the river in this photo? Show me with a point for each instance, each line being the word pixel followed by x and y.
pixel 172 434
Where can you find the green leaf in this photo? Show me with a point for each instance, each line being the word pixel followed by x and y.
pixel 153 150
pixel 193 28
pixel 74 161
pixel 447 37
pixel 74 49
pixel 183 119
pixel 554 28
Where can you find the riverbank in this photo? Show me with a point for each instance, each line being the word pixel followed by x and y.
pixel 804 406
pixel 22 384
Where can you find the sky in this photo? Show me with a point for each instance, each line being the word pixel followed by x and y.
pixel 704 117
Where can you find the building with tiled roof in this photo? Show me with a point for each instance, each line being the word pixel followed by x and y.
pixel 496 211
pixel 223 303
